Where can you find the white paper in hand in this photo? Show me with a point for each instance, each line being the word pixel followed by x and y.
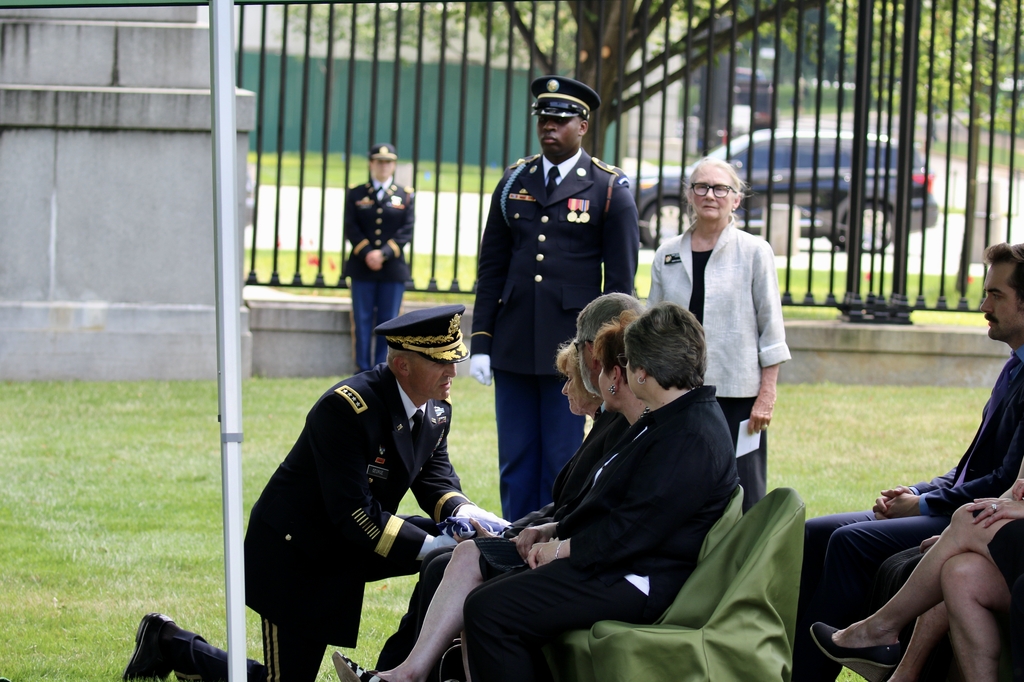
pixel 745 442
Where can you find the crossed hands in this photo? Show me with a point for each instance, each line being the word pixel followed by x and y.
pixel 538 545
pixel 899 502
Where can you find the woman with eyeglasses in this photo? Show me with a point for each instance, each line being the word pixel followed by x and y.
pixel 726 277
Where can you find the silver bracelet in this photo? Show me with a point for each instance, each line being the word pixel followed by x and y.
pixel 559 547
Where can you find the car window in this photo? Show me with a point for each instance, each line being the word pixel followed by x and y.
pixel 805 155
pixel 783 154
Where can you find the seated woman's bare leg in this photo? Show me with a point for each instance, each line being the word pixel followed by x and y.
pixel 443 621
pixel 930 628
pixel 974 588
pixel 922 590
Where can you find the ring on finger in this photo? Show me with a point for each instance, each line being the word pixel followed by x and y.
pixel 995 507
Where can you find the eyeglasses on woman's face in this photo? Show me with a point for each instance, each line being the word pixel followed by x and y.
pixel 701 189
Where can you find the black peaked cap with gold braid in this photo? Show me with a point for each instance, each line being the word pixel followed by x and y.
pixel 563 97
pixel 434 333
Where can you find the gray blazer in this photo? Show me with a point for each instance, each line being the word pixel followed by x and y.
pixel 743 324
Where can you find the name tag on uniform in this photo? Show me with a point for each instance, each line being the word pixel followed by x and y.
pixel 379 472
pixel 672 259
pixel 522 197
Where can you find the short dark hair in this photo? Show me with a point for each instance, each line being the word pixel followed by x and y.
pixel 1009 253
pixel 667 342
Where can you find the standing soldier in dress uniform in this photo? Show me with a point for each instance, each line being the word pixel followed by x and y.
pixel 555 220
pixel 326 522
pixel 379 221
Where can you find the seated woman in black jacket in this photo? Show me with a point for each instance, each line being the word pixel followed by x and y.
pixel 627 543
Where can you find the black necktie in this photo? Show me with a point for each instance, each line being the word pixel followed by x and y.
pixel 417 422
pixel 552 180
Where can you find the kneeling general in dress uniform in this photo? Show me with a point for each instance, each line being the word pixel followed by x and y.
pixel 326 522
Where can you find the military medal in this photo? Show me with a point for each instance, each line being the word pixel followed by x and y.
pixel 581 205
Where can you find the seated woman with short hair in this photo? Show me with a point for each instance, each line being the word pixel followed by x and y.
pixel 626 547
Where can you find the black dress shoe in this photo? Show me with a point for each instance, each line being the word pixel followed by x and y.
pixel 872 663
pixel 146 660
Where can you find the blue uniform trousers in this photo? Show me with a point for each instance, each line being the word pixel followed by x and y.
pixel 373 303
pixel 842 553
pixel 537 434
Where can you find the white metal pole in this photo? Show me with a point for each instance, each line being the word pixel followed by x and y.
pixel 229 344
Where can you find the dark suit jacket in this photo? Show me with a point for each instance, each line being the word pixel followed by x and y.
pixel 575 475
pixel 385 224
pixel 992 461
pixel 652 505
pixel 326 522
pixel 538 270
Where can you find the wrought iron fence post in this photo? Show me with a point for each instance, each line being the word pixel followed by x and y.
pixel 853 305
pixel 898 303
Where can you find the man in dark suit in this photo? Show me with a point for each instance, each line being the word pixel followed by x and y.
pixel 379 220
pixel 842 552
pixel 326 522
pixel 608 427
pixel 555 220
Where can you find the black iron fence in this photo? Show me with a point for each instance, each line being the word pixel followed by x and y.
pixel 880 139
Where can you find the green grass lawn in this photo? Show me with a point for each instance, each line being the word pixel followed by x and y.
pixel 110 497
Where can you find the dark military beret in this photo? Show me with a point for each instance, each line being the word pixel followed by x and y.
pixel 433 333
pixel 383 151
pixel 560 96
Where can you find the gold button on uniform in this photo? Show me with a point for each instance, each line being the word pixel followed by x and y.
pixel 544 219
pixel 540 256
pixel 516 216
pixel 541 237
pixel 538 278
pixel 379 221
pixel 377 243
pixel 376 231
pixel 288 537
pixel 380 210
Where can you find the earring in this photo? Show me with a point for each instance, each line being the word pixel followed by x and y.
pixel 641 380
pixel 611 389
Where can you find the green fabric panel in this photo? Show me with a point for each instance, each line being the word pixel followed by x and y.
pixel 732 514
pixel 734 619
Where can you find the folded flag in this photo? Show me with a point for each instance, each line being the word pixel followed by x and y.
pixel 458 527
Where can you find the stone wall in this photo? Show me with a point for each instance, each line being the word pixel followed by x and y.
pixel 106 195
pixel 304 339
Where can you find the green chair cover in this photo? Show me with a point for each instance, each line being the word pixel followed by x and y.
pixel 734 619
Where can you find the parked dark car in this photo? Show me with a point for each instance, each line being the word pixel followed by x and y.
pixel 879 205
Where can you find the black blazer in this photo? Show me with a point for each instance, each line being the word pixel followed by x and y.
pixel 539 269
pixel 994 457
pixel 326 523
pixel 655 500
pixel 385 224
pixel 575 475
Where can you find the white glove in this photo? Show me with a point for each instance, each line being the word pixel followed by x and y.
pixel 471 511
pixel 432 542
pixel 480 368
